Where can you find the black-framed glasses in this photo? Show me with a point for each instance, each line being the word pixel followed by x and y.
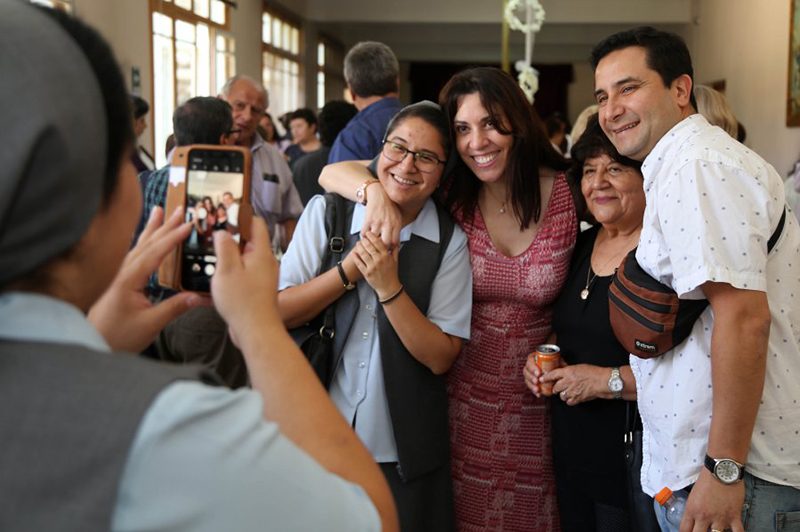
pixel 425 161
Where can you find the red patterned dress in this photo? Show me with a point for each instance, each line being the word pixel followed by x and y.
pixel 500 433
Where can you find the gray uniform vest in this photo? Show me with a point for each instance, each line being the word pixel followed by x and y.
pixel 417 398
pixel 67 421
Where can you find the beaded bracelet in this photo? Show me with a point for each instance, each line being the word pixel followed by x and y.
pixel 391 297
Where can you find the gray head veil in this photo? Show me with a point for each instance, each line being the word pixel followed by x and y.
pixel 53 145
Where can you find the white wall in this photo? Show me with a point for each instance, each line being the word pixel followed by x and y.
pixel 746 43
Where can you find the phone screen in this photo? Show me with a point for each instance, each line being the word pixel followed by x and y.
pixel 214 187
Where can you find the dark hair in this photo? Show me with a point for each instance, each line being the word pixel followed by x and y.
pixel 140 106
pixel 666 52
pixel 429 112
pixel 262 130
pixel 332 119
pixel 509 109
pixel 202 120
pixel 116 102
pixel 593 142
pixel 371 69
pixel 304 113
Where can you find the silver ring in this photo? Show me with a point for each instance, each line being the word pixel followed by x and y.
pixel 564 395
pixel 716 530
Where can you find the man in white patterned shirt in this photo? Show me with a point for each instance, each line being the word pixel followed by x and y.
pixel 726 398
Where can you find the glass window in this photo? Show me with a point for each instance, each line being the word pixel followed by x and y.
pixel 192 56
pixel 281 62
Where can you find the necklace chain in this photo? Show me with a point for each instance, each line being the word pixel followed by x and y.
pixel 502 209
pixel 591 276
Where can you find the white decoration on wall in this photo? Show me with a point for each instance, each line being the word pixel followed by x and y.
pixel 534 18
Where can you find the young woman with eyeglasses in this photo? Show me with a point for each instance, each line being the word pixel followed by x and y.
pixel 509 194
pixel 402 315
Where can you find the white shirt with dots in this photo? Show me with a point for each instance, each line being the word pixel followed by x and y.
pixel 712 205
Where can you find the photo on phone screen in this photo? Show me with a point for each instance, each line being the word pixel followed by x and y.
pixel 214 187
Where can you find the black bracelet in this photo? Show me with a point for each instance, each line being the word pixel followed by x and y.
pixel 345 281
pixel 392 297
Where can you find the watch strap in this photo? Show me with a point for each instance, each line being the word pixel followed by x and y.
pixel 361 191
pixel 615 375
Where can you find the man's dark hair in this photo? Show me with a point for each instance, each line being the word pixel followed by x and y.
pixel 666 52
pixel 202 120
pixel 371 69
pixel 332 119
pixel 140 106
pixel 304 113
pixel 116 102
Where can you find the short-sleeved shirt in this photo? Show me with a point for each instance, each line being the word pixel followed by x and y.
pixel 357 388
pixel 203 458
pixel 361 137
pixel 712 205
pixel 274 195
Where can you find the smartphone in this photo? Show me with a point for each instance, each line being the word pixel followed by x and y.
pixel 212 184
pixel 214 191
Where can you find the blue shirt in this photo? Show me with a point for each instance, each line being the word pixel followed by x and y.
pixel 203 458
pixel 357 387
pixel 361 137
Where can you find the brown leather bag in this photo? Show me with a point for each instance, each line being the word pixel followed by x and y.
pixel 647 316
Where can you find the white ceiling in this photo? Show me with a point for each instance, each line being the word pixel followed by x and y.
pixel 470 30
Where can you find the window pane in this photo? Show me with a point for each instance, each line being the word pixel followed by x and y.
pixel 295 41
pixel 266 28
pixel 286 43
pixel 162 25
pixel 203 61
pixel 201 8
pixel 276 32
pixel 185 4
pixel 185 71
pixel 184 31
pixel 321 54
pixel 163 94
pixel 320 89
pixel 218 13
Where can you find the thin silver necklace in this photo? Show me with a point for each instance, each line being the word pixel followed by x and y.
pixel 591 276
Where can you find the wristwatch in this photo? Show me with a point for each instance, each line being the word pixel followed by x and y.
pixel 615 383
pixel 361 191
pixel 726 470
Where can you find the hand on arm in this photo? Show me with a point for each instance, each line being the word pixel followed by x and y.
pixel 245 293
pixel 382 216
pixel 124 315
pixel 424 340
pixel 738 367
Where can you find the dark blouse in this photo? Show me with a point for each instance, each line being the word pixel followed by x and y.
pixel 588 437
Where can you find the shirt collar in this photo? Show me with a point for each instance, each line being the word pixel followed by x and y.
pixel 258 142
pixel 425 225
pixel 672 140
pixel 38 318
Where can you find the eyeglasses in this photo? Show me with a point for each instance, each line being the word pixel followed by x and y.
pixel 424 161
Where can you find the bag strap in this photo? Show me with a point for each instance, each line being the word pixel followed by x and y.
pixel 335 214
pixel 777 233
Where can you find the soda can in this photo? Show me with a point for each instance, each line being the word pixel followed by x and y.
pixel 547 357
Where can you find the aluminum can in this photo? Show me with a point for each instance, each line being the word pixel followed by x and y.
pixel 547 357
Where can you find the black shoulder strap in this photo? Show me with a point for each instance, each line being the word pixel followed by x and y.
pixel 777 233
pixel 335 218
pixel 446 228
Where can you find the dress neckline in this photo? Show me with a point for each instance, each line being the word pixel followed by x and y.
pixel 559 177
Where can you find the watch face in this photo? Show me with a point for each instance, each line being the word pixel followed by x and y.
pixel 727 471
pixel 616 385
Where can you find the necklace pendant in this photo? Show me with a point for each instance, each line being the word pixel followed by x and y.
pixel 585 293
